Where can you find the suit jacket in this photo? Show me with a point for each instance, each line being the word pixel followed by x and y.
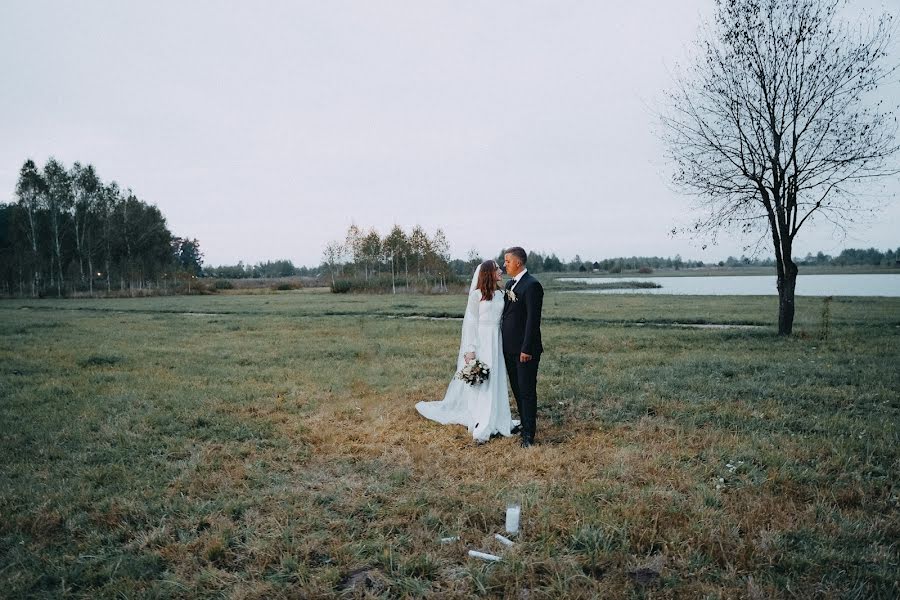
pixel 521 326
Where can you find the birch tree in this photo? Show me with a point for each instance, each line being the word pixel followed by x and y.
pixel 440 249
pixel 333 256
pixel 353 244
pixel 85 185
pixel 31 190
pixel 371 250
pixel 110 196
pixel 418 244
pixel 395 244
pixel 58 196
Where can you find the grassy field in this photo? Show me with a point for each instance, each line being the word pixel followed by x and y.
pixel 266 446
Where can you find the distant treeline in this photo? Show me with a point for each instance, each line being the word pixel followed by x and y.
pixel 263 270
pixel 538 263
pixel 854 257
pixel 69 232
pixel 376 272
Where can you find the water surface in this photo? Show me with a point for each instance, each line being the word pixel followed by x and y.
pixel 757 285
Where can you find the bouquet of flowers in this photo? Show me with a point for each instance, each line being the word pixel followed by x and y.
pixel 474 372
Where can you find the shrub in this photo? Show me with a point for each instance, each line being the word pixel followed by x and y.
pixel 223 284
pixel 645 270
pixel 341 286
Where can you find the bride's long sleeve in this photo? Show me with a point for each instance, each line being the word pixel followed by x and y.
pixel 470 322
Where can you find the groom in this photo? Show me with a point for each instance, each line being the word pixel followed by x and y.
pixel 521 327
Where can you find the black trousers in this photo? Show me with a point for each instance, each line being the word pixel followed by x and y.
pixel 523 380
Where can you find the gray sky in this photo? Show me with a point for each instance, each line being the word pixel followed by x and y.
pixel 265 129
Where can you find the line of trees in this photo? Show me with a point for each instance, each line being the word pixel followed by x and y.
pixel 270 269
pixel 371 269
pixel 855 257
pixel 364 258
pixel 538 263
pixel 68 231
pixel 369 263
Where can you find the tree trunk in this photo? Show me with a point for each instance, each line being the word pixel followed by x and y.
pixel 35 280
pixel 108 276
pixel 393 285
pixel 58 262
pixel 79 245
pixel 54 224
pixel 787 283
pixel 786 268
pixel 90 274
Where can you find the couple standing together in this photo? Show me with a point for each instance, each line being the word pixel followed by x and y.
pixel 502 329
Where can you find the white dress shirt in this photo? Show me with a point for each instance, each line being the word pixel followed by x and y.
pixel 517 278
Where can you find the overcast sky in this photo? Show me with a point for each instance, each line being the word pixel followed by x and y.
pixel 264 129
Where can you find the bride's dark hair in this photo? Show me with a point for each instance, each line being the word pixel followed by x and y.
pixel 487 283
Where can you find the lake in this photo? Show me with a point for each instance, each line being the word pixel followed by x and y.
pixel 756 285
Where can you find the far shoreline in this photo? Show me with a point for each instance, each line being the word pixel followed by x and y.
pixel 725 272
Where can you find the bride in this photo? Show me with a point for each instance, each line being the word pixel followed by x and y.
pixel 483 408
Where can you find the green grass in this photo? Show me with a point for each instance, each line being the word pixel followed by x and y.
pixel 267 446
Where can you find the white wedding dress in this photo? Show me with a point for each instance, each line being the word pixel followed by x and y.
pixel 483 408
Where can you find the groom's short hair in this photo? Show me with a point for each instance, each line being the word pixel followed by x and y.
pixel 518 253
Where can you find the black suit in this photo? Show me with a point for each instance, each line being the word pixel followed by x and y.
pixel 521 329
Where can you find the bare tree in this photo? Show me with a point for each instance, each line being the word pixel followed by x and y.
pixel 332 256
pixel 395 244
pixel 439 254
pixel 418 243
pixel 473 258
pixel 353 245
pixel 775 125
pixel 371 251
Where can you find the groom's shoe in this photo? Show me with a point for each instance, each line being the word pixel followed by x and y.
pixel 527 442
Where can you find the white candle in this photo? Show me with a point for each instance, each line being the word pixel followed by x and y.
pixel 503 540
pixel 484 555
pixel 512 518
